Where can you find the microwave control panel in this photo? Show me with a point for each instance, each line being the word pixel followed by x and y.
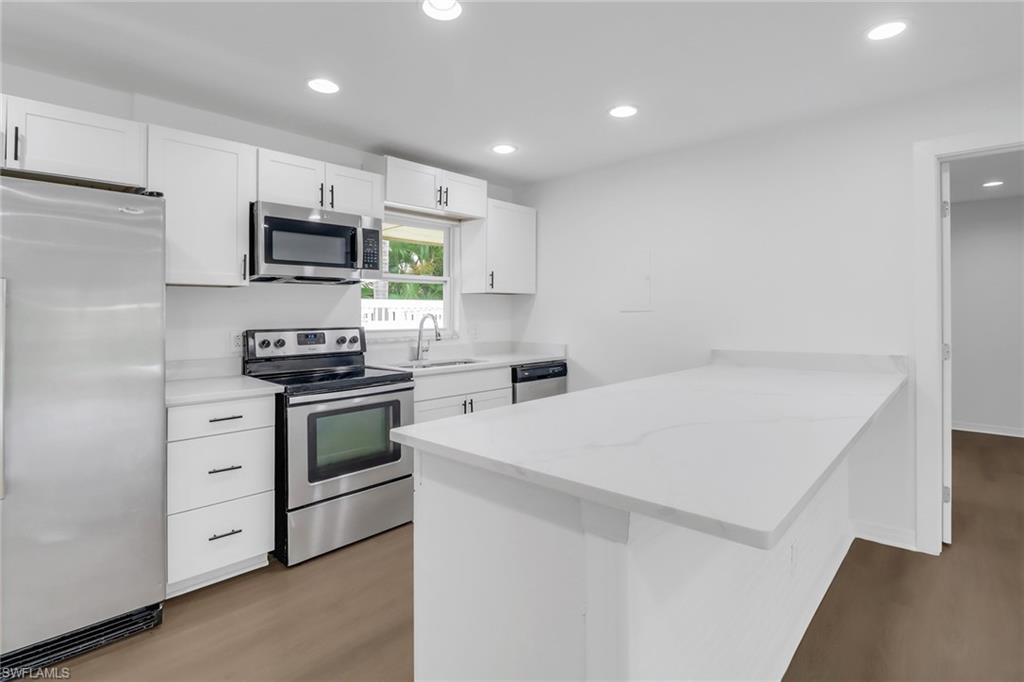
pixel 269 343
pixel 371 249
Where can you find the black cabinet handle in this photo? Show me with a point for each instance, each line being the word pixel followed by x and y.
pixel 439 203
pixel 245 270
pixel 16 136
pixel 321 194
pixel 235 467
pixel 463 407
pixel 470 404
pixel 225 419
pixel 446 196
pixel 492 279
pixel 332 196
pixel 215 536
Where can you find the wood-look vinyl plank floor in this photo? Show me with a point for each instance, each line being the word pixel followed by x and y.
pixel 346 615
pixel 889 614
pixel 897 615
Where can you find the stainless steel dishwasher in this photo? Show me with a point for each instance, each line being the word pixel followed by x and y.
pixel 538 380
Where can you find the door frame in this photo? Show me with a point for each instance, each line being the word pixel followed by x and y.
pixel 931 432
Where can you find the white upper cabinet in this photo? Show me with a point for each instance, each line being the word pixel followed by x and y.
pixel 499 253
pixel 46 138
pixel 350 190
pixel 208 185
pixel 289 179
pixel 416 186
pixel 463 195
pixel 298 181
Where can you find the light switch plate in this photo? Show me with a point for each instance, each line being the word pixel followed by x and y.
pixel 235 342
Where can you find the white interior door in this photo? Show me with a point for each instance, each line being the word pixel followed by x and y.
pixel 947 364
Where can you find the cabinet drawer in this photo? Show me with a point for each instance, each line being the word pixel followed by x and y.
pixel 460 383
pixel 210 419
pixel 204 471
pixel 203 540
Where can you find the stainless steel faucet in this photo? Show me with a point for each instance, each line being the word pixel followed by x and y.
pixel 419 335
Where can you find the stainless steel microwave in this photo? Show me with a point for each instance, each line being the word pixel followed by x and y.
pixel 312 246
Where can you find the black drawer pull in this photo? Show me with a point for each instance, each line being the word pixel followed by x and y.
pixel 236 531
pixel 236 467
pixel 225 419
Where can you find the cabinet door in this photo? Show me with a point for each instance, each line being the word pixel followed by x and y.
pixel 289 179
pixel 350 190
pixel 47 138
pixel 439 408
pixel 511 248
pixel 207 184
pixel 411 184
pixel 490 400
pixel 464 196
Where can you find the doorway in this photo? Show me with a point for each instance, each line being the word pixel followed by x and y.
pixel 982 306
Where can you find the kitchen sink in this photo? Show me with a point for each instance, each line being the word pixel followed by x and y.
pixel 424 364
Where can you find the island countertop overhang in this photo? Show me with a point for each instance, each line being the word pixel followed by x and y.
pixel 732 450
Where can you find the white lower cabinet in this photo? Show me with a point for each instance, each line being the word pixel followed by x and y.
pixel 220 491
pixel 204 540
pixel 449 395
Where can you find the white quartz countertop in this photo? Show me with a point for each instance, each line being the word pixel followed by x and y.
pixel 480 361
pixel 734 451
pixel 194 391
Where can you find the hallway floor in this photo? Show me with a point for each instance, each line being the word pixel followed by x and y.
pixel 897 615
pixel 889 615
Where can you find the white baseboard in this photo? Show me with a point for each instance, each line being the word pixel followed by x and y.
pixel 904 538
pixel 1014 431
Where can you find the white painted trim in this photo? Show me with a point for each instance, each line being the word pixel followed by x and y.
pixel 1012 431
pixel 903 538
pixel 927 358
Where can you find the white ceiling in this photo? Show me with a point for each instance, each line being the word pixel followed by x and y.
pixel 539 75
pixel 967 175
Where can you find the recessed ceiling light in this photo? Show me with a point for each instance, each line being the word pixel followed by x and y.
pixel 323 85
pixel 886 31
pixel 504 148
pixel 992 183
pixel 442 10
pixel 623 111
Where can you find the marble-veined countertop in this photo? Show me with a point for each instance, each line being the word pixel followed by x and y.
pixel 732 449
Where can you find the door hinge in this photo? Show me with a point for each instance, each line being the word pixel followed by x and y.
pixel 947 494
pixel 947 352
pixel 945 209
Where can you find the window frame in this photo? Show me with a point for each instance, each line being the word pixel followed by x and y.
pixel 448 280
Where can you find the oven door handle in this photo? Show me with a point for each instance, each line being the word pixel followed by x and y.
pixel 354 393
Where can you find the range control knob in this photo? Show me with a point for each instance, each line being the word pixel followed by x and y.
pixel 354 339
pixel 265 343
pixel 279 343
pixel 341 340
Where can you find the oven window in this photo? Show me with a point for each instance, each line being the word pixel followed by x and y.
pixel 346 441
pixel 304 243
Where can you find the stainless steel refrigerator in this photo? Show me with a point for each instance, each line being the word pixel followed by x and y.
pixel 82 515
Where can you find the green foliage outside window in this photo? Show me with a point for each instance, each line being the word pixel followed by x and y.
pixel 410 258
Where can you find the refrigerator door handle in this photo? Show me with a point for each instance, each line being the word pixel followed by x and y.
pixel 3 374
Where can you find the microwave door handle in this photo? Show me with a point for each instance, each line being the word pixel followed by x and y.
pixel 359 248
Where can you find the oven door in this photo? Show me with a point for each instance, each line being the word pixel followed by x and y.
pixel 339 443
pixel 301 243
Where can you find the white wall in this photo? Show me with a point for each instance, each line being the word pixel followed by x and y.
pixel 796 238
pixel 987 263
pixel 200 319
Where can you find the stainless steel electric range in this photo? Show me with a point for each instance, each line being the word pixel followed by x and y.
pixel 339 477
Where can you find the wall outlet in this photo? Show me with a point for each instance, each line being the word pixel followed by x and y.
pixel 236 342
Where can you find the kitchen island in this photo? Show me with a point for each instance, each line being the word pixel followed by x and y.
pixel 685 525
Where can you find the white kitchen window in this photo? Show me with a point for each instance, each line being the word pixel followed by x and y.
pixel 416 265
